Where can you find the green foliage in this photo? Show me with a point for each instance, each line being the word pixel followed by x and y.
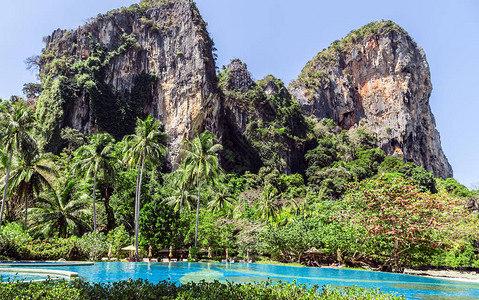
pixel 50 109
pixel 32 90
pixel 424 180
pixel 117 239
pixel 459 256
pixel 394 164
pixel 200 165
pixel 321 156
pixel 67 78
pixel 139 289
pixel 402 221
pixel 12 240
pixel 293 241
pixel 276 124
pixel 158 225
pixel 94 245
pixel 61 211
pixel 54 249
pixel 453 187
pixel 16 243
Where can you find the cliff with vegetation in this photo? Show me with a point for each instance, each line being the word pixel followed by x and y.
pixel 335 168
pixel 262 124
pixel 377 77
pixel 154 58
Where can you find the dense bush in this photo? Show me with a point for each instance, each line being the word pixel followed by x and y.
pixel 140 289
pixel 53 249
pixel 16 243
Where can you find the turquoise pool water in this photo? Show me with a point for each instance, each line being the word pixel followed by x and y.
pixel 413 287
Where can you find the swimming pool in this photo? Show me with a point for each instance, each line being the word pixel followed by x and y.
pixel 413 287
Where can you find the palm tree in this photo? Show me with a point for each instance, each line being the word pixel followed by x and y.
pixel 221 199
pixel 201 164
pixel 146 145
pixel 183 199
pixel 15 125
pixel 94 157
pixel 62 210
pixel 30 175
pixel 268 204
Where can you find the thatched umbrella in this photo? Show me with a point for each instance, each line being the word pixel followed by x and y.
pixel 130 248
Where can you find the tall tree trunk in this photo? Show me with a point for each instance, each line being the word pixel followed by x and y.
pixel 26 193
pixel 136 191
pixel 137 221
pixel 7 177
pixel 197 212
pixel 110 218
pixel 181 200
pixel 94 208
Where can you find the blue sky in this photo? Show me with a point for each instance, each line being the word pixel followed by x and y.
pixel 278 37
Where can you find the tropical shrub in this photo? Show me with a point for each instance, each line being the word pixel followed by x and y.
pixel 401 221
pixel 93 245
pixel 54 249
pixel 139 289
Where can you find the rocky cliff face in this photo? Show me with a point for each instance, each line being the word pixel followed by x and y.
pixel 156 58
pixel 262 124
pixel 378 78
pixel 161 55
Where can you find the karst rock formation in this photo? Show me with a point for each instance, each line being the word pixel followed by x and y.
pixel 378 78
pixel 157 59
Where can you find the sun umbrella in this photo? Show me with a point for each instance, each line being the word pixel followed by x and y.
pixel 130 248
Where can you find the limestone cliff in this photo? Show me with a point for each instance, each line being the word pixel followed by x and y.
pixel 262 124
pixel 152 58
pixel 378 78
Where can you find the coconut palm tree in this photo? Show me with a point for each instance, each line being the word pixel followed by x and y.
pixel 96 156
pixel 61 210
pixel 15 125
pixel 221 199
pixel 201 164
pixel 182 196
pixel 268 205
pixel 181 200
pixel 146 145
pixel 31 175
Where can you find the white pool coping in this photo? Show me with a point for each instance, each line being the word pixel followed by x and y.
pixel 66 274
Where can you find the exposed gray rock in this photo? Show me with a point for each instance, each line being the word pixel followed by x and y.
pixel 378 78
pixel 173 44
